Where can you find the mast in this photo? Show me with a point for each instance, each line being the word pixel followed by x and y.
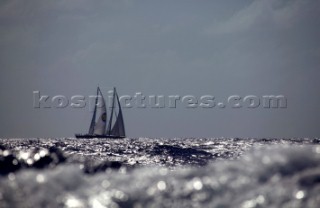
pixel 93 120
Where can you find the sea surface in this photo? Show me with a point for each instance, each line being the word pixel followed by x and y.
pixel 158 172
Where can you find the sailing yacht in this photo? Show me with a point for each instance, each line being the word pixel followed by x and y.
pixel 101 126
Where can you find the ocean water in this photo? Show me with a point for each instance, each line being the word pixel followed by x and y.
pixel 144 172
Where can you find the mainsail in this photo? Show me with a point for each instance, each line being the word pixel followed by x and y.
pixel 116 125
pixel 99 127
pixel 93 120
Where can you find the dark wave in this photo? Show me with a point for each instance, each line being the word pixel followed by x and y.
pixel 195 172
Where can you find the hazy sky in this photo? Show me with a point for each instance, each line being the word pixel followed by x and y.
pixel 220 48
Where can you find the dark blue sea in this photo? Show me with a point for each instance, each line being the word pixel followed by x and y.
pixel 158 172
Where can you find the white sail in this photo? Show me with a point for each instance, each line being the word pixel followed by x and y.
pixel 93 120
pixel 100 125
pixel 116 123
pixel 118 127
